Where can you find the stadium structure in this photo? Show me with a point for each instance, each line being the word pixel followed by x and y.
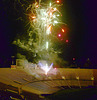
pixel 24 81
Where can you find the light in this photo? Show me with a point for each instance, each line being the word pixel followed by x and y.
pixel 46 69
pixel 92 78
pixel 50 4
pixel 46 45
pixel 37 6
pixel 63 30
pixel 49 78
pixel 77 77
pixel 33 17
pixel 48 30
pixel 58 1
pixel 67 41
pixel 54 16
pixel 44 66
pixel 73 58
pixel 51 14
pixel 63 77
pixel 59 35
pixel 55 9
pixel 55 22
pixel 58 15
pixel 43 18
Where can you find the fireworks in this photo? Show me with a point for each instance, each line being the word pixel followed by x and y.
pixel 42 18
pixel 45 67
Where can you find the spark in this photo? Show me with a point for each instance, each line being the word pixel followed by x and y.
pixel 50 4
pixel 45 67
pixel 58 15
pixel 46 45
pixel 42 19
pixel 59 35
pixel 55 21
pixel 37 6
pixel 33 17
pixel 63 30
pixel 48 30
pixel 55 9
pixel 58 1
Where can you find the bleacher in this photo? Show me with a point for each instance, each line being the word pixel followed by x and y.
pixel 35 81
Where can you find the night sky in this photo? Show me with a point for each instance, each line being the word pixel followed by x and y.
pixel 79 15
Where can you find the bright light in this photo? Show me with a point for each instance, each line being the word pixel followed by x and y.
pixel 55 9
pixel 48 30
pixel 63 30
pixel 63 77
pixel 37 6
pixel 77 77
pixel 46 69
pixel 50 4
pixel 44 66
pixel 33 17
pixel 58 15
pixel 54 16
pixel 92 78
pixel 51 14
pixel 46 45
pixel 59 35
pixel 58 1
pixel 55 21
pixel 43 18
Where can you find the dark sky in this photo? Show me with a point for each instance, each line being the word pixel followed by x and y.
pixel 80 16
pixel 82 21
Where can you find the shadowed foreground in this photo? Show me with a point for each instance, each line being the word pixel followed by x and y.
pixel 89 93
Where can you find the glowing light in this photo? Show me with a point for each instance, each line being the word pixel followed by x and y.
pixel 63 30
pixel 46 45
pixel 92 78
pixel 50 4
pixel 37 6
pixel 51 14
pixel 43 18
pixel 48 30
pixel 54 16
pixel 73 58
pixel 45 67
pixel 58 15
pixel 33 17
pixel 77 77
pixel 67 41
pixel 63 77
pixel 55 9
pixel 57 1
pixel 55 21
pixel 59 35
